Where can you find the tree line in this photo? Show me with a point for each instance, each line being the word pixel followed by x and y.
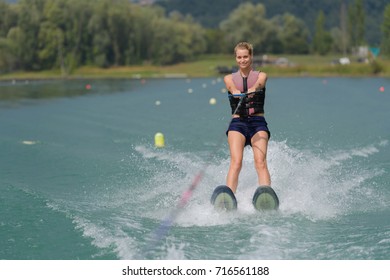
pixel 46 34
pixel 66 34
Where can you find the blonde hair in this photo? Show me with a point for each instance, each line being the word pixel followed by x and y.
pixel 245 46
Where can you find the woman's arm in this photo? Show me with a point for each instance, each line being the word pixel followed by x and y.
pixel 228 79
pixel 260 83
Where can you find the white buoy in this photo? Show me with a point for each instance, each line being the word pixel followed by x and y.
pixel 190 90
pixel 159 140
pixel 158 102
pixel 213 101
pixel 29 142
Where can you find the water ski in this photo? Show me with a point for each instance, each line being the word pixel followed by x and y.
pixel 223 199
pixel 265 198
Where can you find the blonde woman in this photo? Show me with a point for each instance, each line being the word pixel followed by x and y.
pixel 248 126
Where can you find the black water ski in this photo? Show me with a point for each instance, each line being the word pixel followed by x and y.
pixel 223 199
pixel 265 198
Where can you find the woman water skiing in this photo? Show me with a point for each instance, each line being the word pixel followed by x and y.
pixel 248 126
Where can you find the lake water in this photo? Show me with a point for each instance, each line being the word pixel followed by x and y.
pixel 80 177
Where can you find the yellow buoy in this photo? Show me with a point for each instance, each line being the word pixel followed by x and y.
pixel 213 101
pixel 159 141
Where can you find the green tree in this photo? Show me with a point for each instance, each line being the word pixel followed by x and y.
pixel 163 41
pixel 140 33
pixel 360 25
pixel 118 23
pixel 8 18
pixel 338 45
pixel 51 40
pixel 322 40
pixel 76 37
pixel 100 38
pixel 385 28
pixel 52 35
pixel 8 61
pixel 339 35
pixel 63 37
pixel 176 39
pixel 293 34
pixel 215 41
pixel 195 44
pixel 24 36
pixel 282 34
pixel 122 34
pixel 356 24
pixel 248 23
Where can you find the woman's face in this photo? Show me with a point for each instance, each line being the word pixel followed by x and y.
pixel 243 58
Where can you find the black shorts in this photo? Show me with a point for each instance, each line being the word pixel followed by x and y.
pixel 248 127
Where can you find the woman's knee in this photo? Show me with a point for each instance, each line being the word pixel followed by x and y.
pixel 236 164
pixel 261 164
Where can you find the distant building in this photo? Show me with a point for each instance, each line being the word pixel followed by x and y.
pixel 361 51
pixel 144 2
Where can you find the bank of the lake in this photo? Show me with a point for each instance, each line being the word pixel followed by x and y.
pixel 206 66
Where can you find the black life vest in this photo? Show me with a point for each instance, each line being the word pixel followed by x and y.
pixel 252 103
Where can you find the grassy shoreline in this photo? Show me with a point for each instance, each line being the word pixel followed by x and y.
pixel 205 66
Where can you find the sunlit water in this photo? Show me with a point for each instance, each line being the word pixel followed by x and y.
pixel 80 177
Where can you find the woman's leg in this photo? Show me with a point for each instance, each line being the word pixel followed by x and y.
pixel 236 146
pixel 259 145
